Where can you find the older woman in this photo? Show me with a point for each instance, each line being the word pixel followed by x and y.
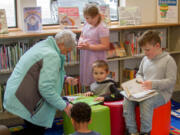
pixel 33 89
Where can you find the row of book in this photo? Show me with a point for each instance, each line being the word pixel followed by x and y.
pixel 129 74
pixel 11 52
pixel 69 17
pixel 131 45
pixel 72 90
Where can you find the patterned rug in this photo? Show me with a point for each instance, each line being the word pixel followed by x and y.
pixel 175 118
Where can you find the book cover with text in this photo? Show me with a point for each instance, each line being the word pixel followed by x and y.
pixel 32 19
pixel 69 17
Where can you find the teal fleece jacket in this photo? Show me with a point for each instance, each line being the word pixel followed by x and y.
pixel 34 88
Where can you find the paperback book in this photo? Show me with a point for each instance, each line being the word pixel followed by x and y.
pixel 134 91
pixel 69 17
pixel 32 19
pixel 3 22
pixel 105 14
pixel 80 98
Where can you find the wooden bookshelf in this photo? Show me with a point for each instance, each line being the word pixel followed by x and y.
pixel 53 30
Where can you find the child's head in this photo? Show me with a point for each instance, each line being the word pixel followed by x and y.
pixel 100 70
pixel 92 14
pixel 150 43
pixel 80 114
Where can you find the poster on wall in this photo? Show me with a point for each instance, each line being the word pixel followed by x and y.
pixel 167 11
pixel 32 19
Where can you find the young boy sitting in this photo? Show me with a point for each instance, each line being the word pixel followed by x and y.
pixel 104 87
pixel 81 117
pixel 157 71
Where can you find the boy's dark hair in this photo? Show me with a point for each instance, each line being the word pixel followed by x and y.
pixel 81 112
pixel 151 37
pixel 100 64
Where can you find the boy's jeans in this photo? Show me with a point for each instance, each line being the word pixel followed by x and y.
pixel 146 113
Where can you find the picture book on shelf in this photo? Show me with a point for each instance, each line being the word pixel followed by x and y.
pixel 167 11
pixel 105 14
pixel 116 50
pixel 129 16
pixel 134 91
pixel 3 22
pixel 69 17
pixel 32 19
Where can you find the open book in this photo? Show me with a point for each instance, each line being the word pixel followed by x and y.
pixel 133 91
pixel 80 98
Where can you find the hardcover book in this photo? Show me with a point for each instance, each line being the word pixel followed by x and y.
pixel 3 22
pixel 69 17
pixel 32 19
pixel 134 91
pixel 105 14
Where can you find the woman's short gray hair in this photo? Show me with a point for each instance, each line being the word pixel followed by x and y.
pixel 67 37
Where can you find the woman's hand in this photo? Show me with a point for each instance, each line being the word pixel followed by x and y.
pixel 71 81
pixel 67 110
pixel 88 94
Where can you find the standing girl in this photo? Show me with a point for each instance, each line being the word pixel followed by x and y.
pixel 93 43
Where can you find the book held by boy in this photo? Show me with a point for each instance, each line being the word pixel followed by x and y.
pixel 134 91
pixel 32 19
pixel 69 17
pixel 3 22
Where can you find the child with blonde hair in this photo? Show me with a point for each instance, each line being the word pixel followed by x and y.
pixel 93 42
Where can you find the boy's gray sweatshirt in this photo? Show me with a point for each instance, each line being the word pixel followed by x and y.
pixel 162 71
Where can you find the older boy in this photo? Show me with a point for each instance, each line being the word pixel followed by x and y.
pixel 157 71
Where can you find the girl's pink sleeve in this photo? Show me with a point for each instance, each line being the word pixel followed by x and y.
pixel 103 31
